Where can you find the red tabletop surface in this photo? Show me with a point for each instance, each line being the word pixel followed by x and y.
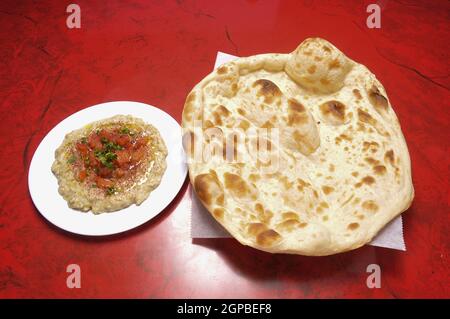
pixel 155 52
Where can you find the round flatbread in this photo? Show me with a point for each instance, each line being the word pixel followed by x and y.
pixel 110 164
pixel 297 153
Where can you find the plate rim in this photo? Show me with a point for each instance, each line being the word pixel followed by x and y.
pixel 105 232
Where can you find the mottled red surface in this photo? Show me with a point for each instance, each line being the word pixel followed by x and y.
pixel 154 52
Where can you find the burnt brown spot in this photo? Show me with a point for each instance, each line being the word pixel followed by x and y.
pixel 289 215
pixel 334 64
pixel 370 206
pixel 267 124
pixel 296 106
pixel 220 199
pixel 255 229
pixel 208 188
pixel 189 107
pixel 370 145
pixel 237 186
pixel 361 127
pixel 259 208
pixel 222 70
pixel 333 108
pixel 289 224
pixel 368 180
pixel 355 174
pixel 217 118
pixel 324 205
pixel 223 111
pixel 324 81
pixel 312 69
pixel 317 58
pixel 379 169
pixel 207 124
pixel 352 226
pixel 268 89
pixel 366 117
pixel 244 124
pixel 218 213
pixel 268 238
pixel 377 99
pixel 190 97
pixel 389 157
pixel 327 189
pixel 371 161
pixel 301 184
pixel 326 49
pixel 357 94
pixel 296 113
pixel 241 111
pixel 346 137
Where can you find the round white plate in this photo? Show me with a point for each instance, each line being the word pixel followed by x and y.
pixel 43 185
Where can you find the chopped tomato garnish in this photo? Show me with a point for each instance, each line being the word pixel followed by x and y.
pixel 103 182
pixel 109 154
pixel 95 142
pixel 82 175
pixel 104 134
pixel 119 173
pixel 104 172
pixel 110 136
pixel 138 154
pixel 82 148
pixel 93 161
pixel 123 140
pixel 123 157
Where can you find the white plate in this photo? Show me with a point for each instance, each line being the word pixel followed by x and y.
pixel 43 185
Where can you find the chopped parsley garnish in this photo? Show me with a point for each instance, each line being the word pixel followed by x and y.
pixel 110 146
pixel 71 159
pixel 84 140
pixel 106 158
pixel 110 190
pixel 125 130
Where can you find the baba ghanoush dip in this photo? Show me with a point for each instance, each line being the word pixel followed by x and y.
pixel 110 164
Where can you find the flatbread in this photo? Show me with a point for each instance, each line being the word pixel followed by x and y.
pixel 110 164
pixel 298 153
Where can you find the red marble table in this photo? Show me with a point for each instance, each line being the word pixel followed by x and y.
pixel 154 52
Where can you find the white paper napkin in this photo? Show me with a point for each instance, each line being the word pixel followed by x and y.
pixel 203 225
